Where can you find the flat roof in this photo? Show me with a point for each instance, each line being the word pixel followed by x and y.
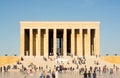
pixel 59 21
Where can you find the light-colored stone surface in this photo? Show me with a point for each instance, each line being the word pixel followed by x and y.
pixel 68 74
pixel 54 41
pixel 108 60
pixel 64 43
pixel 79 47
pixel 73 41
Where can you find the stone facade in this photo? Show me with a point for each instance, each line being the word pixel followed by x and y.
pixel 59 38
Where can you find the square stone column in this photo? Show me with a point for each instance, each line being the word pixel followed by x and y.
pixel 88 43
pixel 22 41
pixel 78 43
pixel 31 42
pixel 97 42
pixel 64 42
pixel 73 42
pixel 54 42
pixel 38 43
pixel 46 48
pixel 81 42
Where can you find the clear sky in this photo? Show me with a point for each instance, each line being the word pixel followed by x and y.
pixel 14 11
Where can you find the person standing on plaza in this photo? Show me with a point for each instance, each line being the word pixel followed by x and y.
pixel 31 72
pixel 94 74
pixel 56 74
pixel 85 74
pixel 44 74
pixel 91 68
pixel 47 75
pixel 111 71
pixel 89 74
pixel 41 75
pixel 26 73
pixel 53 74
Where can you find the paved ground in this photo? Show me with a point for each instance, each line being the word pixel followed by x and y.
pixel 70 74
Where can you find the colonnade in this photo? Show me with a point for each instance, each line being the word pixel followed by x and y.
pixel 71 41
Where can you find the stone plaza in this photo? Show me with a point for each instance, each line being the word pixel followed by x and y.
pixel 70 74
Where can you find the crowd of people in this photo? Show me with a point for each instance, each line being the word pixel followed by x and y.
pixel 87 72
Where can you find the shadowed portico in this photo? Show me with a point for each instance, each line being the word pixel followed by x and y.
pixel 59 38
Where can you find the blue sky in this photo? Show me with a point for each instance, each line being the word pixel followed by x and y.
pixel 14 11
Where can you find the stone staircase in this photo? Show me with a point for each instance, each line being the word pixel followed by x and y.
pixel 39 61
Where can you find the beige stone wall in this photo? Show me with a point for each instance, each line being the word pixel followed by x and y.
pixel 39 38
